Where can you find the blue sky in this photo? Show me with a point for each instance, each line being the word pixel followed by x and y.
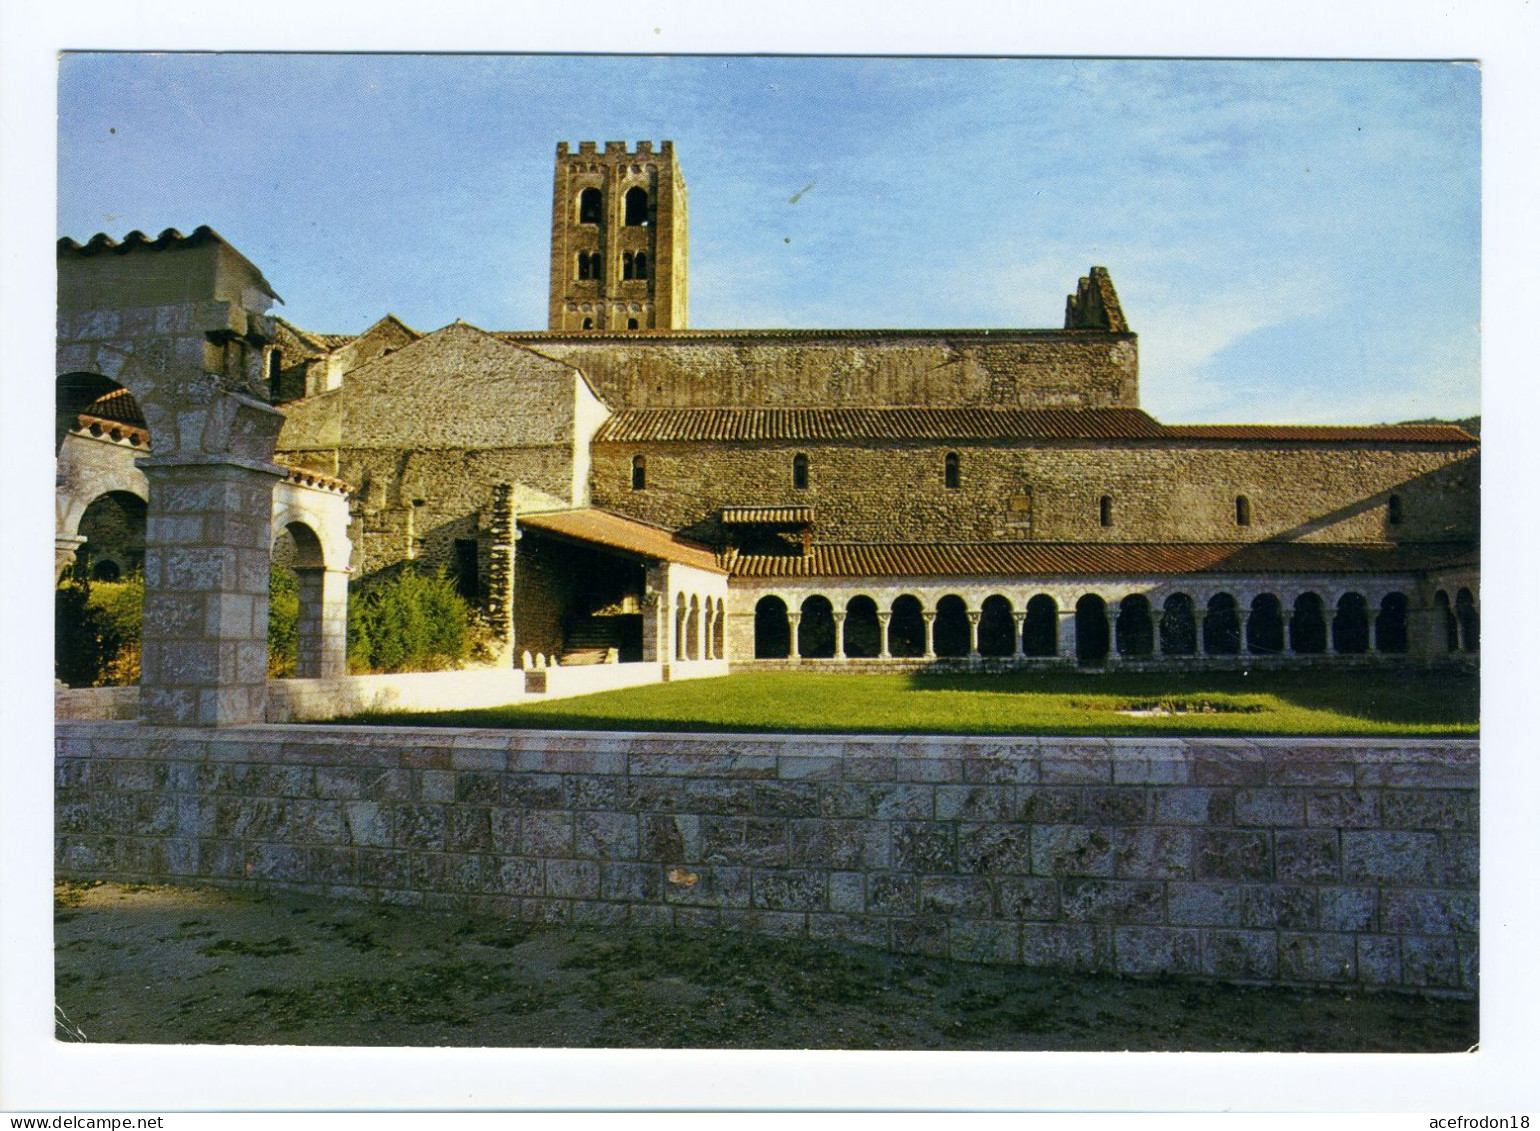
pixel 1291 241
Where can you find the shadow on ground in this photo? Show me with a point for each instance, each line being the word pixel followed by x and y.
pixel 163 965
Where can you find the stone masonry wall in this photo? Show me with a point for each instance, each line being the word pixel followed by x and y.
pixel 1306 861
pixel 1031 368
pixel 1166 491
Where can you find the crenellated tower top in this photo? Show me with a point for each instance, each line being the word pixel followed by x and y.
pixel 619 239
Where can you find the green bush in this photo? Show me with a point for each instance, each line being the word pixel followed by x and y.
pixel 409 620
pixel 401 621
pixel 98 626
pixel 282 624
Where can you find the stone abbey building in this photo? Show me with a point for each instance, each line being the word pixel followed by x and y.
pixel 620 487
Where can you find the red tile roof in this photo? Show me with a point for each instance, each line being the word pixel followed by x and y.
pixel 728 424
pixel 118 405
pixel 1019 559
pixel 602 528
pixel 713 425
pixel 767 516
pixel 1351 433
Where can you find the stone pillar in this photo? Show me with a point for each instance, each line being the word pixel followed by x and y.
pixel 207 557
pixel 323 623
pixel 503 534
pixel 1287 616
pixel 1199 616
pixel 930 635
pixel 1067 642
pixel 655 619
pixel 885 652
pixel 973 634
pixel 708 621
pixel 1018 651
pixel 839 636
pixel 1112 632
pixel 794 621
pixel 1244 616
pixel 64 549
pixel 1423 629
pixel 1156 650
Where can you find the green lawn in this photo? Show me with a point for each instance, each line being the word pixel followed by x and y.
pixel 1345 702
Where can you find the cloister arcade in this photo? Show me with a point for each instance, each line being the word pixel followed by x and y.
pixel 1109 624
pixel 104 519
pixel 700 627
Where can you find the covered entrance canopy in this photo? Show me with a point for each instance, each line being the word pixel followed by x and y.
pixel 593 587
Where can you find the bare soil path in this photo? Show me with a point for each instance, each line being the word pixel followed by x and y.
pixel 153 964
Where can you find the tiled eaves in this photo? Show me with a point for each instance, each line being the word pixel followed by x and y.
pixel 1024 559
pixel 711 425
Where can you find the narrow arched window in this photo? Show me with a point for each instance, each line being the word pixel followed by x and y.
pixel 631 324
pixel 641 265
pixel 953 471
pixel 628 266
pixel 638 473
pixel 1242 511
pixel 799 472
pixel 1106 510
pixel 636 207
pixel 590 205
pixel 588 323
pixel 582 265
pixel 1393 510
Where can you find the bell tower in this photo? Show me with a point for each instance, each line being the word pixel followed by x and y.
pixel 619 239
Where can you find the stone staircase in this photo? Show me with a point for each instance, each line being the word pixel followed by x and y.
pixel 589 641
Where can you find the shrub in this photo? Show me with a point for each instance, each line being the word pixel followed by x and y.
pixel 98 626
pixel 282 624
pixel 410 620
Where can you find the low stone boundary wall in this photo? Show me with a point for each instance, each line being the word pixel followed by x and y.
pixel 96 702
pixel 586 679
pixel 298 700
pixel 1310 861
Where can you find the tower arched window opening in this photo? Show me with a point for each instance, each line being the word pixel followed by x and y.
pixel 628 266
pixel 641 265
pixel 636 207
pixel 590 206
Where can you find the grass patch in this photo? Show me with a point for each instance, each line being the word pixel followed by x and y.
pixel 270 948
pixel 1409 701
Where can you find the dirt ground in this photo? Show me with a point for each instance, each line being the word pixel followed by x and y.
pixel 153 964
